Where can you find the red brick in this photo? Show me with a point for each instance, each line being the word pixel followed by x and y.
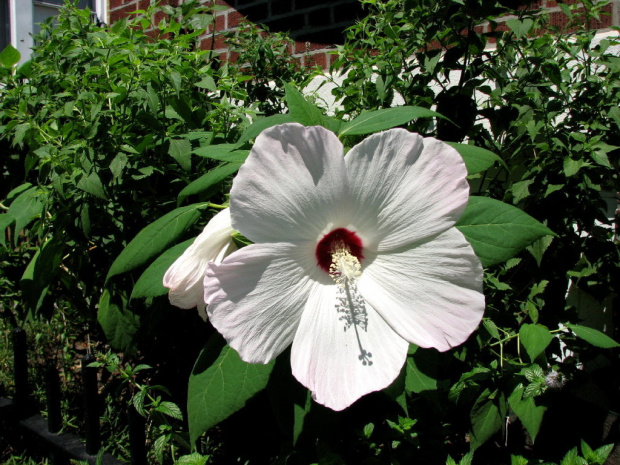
pixel 559 20
pixel 480 29
pixel 234 19
pixel 305 47
pixel 535 5
pixel 121 13
pixel 318 59
pixel 115 4
pixel 220 42
pixel 157 17
pixel 553 3
pixel 206 44
pixel 220 23
pixel 233 57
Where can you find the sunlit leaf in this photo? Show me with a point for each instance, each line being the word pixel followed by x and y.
pixel 593 336
pixel 155 238
pixel 220 384
pixel 150 282
pixel 379 120
pixel 535 339
pixel 498 231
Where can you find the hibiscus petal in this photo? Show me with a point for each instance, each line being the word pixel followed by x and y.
pixel 431 293
pixel 405 188
pixel 186 275
pixel 292 186
pixel 326 359
pixel 256 297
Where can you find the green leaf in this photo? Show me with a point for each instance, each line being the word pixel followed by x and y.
pixel 537 249
pixel 192 459
pixel 25 208
pixel 25 70
pixel 181 151
pixel 593 336
pixel 40 272
pixel 572 456
pixel 529 413
pixel 300 412
pixel 261 124
pixel 491 327
pixel 221 384
pixel 598 456
pixel 476 159
pixel 207 82
pixel 520 190
pixel 520 27
pixel 498 231
pixel 92 185
pixel 171 409
pixel 119 325
pixel 223 152
pixel 9 56
pixel 155 238
pixel 571 167
pixel 118 164
pixel 302 111
pixel 485 419
pixel 150 282
pixel 208 182
pixel 421 370
pixel 535 339
pixel 386 118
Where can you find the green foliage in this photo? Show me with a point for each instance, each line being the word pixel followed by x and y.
pixel 220 385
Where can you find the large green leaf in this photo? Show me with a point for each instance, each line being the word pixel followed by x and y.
pixel 261 124
pixel 476 159
pixel 593 336
pixel 25 208
pixel 181 151
pixel 93 185
pixel 40 272
pixel 300 109
pixel 119 325
pixel 9 56
pixel 520 27
pixel 221 384
pixel 421 370
pixel 209 181
pixel 150 282
pixel 529 413
pixel 498 231
pixel 155 238
pixel 223 152
pixel 486 419
pixel 535 339
pixel 304 112
pixel 379 120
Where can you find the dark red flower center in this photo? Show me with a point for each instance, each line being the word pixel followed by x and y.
pixel 337 240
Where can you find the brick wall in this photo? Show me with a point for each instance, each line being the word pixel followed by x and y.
pixel 315 25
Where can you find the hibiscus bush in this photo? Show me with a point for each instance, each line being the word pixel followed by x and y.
pixel 426 273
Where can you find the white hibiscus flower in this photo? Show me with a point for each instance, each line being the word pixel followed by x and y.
pixel 186 275
pixel 353 258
